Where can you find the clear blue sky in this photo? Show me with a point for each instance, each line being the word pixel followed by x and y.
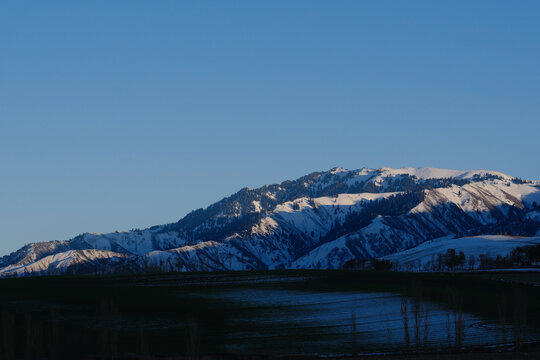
pixel 116 115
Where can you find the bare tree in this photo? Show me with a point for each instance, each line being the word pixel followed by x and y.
pixel 405 316
pixel 353 328
pixel 501 307
pixel 426 325
pixel 417 312
pixel 520 315
pixel 471 262
pixel 194 343
pixel 388 332
pixel 456 303
pixel 8 342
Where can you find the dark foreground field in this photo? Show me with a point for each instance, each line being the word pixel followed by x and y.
pixel 279 314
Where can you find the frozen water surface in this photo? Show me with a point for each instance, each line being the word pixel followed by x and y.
pixel 346 322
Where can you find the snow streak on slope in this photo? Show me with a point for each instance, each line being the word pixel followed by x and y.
pixel 319 214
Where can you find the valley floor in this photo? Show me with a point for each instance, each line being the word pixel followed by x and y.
pixel 330 314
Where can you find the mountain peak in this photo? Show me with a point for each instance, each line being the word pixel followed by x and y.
pixel 337 170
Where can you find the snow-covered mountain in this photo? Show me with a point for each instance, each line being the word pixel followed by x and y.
pixel 321 220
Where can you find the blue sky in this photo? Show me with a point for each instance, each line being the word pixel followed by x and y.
pixel 129 114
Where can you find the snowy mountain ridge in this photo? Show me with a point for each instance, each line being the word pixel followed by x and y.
pixel 320 220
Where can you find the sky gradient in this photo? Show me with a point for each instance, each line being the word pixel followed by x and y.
pixel 129 114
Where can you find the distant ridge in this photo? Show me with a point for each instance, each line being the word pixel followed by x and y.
pixel 321 220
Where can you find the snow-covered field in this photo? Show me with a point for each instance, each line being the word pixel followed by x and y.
pixel 491 245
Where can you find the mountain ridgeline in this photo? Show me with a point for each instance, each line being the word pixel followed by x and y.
pixel 321 220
